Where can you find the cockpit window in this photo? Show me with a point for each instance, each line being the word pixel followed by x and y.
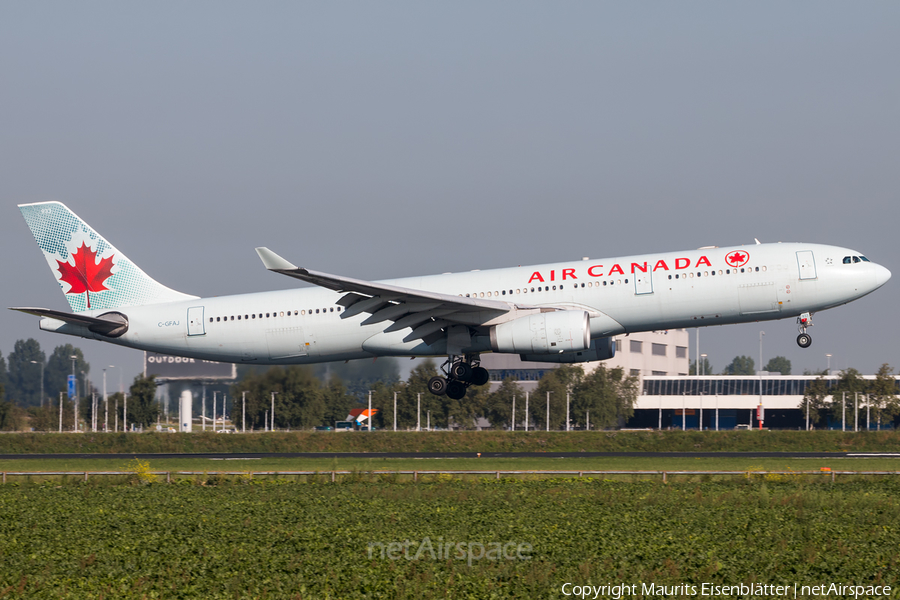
pixel 856 259
pixel 864 259
pixel 847 260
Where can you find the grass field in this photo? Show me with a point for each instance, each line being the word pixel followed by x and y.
pixel 462 464
pixel 445 539
pixel 449 441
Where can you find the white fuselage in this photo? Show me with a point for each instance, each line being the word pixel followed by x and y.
pixel 710 286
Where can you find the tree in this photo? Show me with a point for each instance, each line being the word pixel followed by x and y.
pixel 359 376
pixel 299 398
pixel 25 375
pixel 143 409
pixel 497 405
pixel 741 365
pixel 778 364
pixel 46 418
pixel 849 390
pixel 59 367
pixel 884 394
pixel 705 367
pixel 558 382
pixel 815 398
pixel 338 401
pixel 4 378
pixel 608 394
pixel 11 416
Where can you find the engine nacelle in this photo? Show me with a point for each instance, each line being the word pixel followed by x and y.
pixel 601 349
pixel 545 333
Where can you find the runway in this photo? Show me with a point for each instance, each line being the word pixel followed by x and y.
pixel 446 455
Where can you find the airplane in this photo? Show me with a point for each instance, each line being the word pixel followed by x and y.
pixel 566 312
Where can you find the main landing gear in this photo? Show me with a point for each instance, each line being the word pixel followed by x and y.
pixel 804 340
pixel 461 372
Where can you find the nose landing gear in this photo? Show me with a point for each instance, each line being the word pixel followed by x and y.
pixel 804 340
pixel 461 372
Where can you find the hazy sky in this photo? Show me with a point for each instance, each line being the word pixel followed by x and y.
pixel 382 140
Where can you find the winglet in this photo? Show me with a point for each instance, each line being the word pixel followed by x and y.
pixel 273 262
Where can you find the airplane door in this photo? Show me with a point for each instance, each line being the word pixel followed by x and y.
pixel 643 282
pixel 807 264
pixel 195 321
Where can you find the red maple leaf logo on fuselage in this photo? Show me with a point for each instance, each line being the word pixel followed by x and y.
pixel 86 275
pixel 737 259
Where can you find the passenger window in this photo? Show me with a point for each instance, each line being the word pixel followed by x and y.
pixel 267 315
pixel 302 313
pixel 210 319
pixel 317 311
pixel 331 309
pixel 504 292
pixel 239 317
pixel 554 288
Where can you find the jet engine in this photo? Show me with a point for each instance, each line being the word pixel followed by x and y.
pixel 545 333
pixel 600 349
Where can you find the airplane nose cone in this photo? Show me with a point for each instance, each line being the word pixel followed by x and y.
pixel 881 275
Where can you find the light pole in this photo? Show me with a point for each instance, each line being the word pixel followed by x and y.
pixel 120 391
pixel 38 362
pixel 548 410
pixel 105 404
pixel 74 357
pixel 828 370
pixel 273 413
pixel 702 369
pixel 761 334
pixel 759 413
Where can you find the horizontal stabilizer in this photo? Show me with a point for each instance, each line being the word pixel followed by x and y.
pixel 111 324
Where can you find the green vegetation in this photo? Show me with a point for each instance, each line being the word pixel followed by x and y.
pixel 249 539
pixel 455 441
pixel 194 464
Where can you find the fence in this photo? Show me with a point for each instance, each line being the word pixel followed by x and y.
pixel 415 474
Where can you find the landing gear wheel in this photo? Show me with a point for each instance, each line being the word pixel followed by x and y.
pixel 461 371
pixel 804 340
pixel 456 390
pixel 437 386
pixel 480 376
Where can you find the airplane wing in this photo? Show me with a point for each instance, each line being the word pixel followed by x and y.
pixel 427 313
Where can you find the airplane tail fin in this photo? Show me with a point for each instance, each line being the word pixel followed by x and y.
pixel 91 272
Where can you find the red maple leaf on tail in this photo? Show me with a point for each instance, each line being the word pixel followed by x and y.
pixel 86 275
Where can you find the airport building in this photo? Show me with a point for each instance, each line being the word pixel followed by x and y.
pixel 672 399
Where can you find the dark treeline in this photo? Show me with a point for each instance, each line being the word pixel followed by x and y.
pixel 32 384
pixel 828 401
pixel 306 397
